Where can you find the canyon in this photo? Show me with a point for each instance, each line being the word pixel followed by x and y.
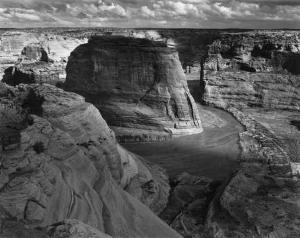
pixel 221 109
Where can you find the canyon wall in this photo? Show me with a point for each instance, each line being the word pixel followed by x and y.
pixel 255 77
pixel 137 84
pixel 68 165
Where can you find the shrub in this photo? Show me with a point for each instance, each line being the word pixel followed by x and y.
pixel 39 147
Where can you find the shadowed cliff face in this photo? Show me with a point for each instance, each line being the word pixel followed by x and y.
pixel 138 85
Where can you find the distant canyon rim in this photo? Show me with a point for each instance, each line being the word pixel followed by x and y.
pixel 149 133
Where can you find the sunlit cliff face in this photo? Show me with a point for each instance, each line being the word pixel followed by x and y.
pixel 153 13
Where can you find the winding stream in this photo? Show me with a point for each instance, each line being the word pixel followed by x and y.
pixel 213 153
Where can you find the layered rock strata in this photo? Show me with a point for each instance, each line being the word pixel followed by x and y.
pixel 68 165
pixel 137 84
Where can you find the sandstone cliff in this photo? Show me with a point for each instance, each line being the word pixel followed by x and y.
pixel 68 165
pixel 138 85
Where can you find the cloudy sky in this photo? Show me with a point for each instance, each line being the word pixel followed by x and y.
pixel 151 13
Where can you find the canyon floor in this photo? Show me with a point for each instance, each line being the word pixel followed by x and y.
pixel 212 153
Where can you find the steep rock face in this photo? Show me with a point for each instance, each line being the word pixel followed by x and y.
pixel 138 85
pixel 68 165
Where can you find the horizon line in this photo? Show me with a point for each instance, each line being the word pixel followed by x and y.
pixel 175 28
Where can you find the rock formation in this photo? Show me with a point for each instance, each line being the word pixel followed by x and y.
pixel 68 165
pixel 137 84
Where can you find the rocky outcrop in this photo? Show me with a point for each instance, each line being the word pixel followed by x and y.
pixel 68 165
pixel 137 84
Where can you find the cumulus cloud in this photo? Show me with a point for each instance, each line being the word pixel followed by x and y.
pixel 151 13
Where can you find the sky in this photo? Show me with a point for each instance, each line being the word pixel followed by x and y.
pixel 151 13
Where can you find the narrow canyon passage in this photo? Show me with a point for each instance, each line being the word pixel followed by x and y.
pixel 212 153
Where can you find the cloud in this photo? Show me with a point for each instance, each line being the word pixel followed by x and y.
pixel 151 13
pixel 147 12
pixel 237 9
pixel 112 8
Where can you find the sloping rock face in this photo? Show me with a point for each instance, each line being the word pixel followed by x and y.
pixel 138 85
pixel 68 165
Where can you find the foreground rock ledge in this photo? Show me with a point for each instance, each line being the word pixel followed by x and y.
pixel 137 84
pixel 68 165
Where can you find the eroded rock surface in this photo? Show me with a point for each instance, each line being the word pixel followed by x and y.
pixel 138 85
pixel 68 165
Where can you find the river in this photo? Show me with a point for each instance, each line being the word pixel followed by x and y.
pixel 214 153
